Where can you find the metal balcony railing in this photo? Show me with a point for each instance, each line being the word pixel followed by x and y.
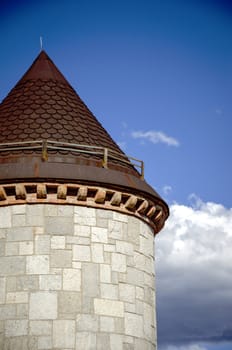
pixel 106 154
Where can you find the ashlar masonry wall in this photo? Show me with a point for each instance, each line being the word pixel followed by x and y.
pixel 77 278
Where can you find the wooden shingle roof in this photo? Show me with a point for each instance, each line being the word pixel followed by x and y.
pixel 43 105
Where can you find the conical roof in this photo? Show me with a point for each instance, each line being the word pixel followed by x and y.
pixel 48 134
pixel 43 105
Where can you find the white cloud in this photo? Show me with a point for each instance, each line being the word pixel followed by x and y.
pixel 155 137
pixel 194 275
pixel 185 347
pixel 167 189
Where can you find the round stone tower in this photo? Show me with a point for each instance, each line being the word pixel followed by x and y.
pixel 77 225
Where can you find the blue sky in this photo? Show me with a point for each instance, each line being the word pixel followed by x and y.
pixel 157 75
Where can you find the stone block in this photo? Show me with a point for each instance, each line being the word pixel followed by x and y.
pixel 27 283
pixel 61 258
pixel 129 307
pixel 102 223
pixel 146 245
pixel 81 253
pixel 118 262
pixel 11 284
pixel 35 220
pixel 18 220
pixel 78 240
pixel 22 311
pixel 16 343
pixel 139 307
pixel 50 210
pixel 2 290
pixel 20 234
pixel 135 277
pixel 12 248
pixel 43 306
pixel 12 265
pixel 124 248
pixel 90 280
pixel 38 230
pixel 2 248
pixel 97 253
pixel 109 248
pixel 16 297
pixel 87 304
pixel 134 325
pixel 105 273
pixel 149 265
pixel 38 264
pixel 107 258
pixel 42 244
pixel 76 265
pixel 63 334
pixel 65 210
pixel 15 328
pixel 58 242
pixel 139 293
pixel 107 324
pixel 109 291
pixel 83 231
pixel 142 344
pixel 44 343
pixel 99 235
pixel 148 313
pixel 18 209
pixel 5 217
pixel 149 280
pixel 86 341
pixel 59 225
pixel 85 216
pixel 72 279
pixel 50 282
pixel 87 322
pixel 35 210
pixel 120 217
pixel 139 260
pixel 133 234
pixel 127 292
pixel 116 342
pixel 32 343
pixel 104 214
pixel 26 248
pixel 119 324
pixel 103 341
pixel 40 327
pixel 127 346
pixel 115 230
pixel 3 232
pixel 108 307
pixel 7 312
pixel 69 304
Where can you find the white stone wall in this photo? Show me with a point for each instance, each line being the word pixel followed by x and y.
pixel 75 278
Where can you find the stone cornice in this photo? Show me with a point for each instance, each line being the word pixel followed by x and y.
pixel 97 197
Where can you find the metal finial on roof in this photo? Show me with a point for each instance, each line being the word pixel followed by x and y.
pixel 41 43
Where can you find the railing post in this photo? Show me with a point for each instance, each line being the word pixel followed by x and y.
pixel 142 170
pixel 105 159
pixel 44 151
